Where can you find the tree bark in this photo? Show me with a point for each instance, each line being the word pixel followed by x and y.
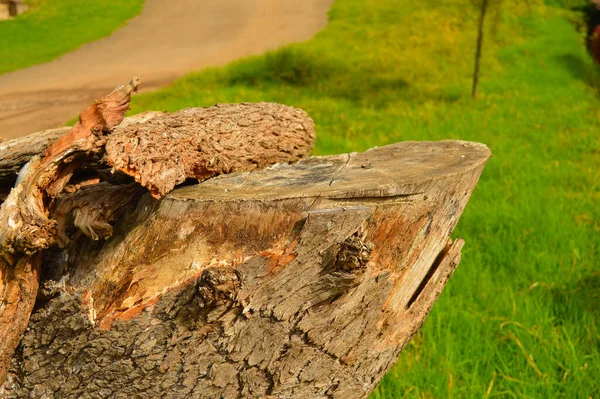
pixel 26 227
pixel 193 143
pixel 301 280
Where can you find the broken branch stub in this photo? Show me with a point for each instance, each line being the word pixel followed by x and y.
pixel 26 227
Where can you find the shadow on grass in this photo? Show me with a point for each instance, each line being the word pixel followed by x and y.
pixel 324 74
pixel 583 295
pixel 586 72
pixel 287 65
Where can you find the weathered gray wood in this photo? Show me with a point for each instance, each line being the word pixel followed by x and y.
pixel 16 153
pixel 297 281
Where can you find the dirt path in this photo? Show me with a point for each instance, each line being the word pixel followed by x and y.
pixel 167 40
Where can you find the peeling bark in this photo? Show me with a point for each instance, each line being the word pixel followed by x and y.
pixel 200 143
pixel 161 150
pixel 301 280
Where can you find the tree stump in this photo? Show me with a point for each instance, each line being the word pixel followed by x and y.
pixel 300 280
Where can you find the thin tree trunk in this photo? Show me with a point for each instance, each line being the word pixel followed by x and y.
pixel 480 31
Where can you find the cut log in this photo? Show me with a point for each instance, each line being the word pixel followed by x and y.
pixel 296 281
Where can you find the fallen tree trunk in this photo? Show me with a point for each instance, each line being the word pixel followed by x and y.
pixel 302 280
pixel 162 150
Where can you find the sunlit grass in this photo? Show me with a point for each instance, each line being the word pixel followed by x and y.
pixel 520 318
pixel 54 27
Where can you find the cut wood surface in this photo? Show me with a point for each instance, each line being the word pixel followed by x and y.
pixel 295 281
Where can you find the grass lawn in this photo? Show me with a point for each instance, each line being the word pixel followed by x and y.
pixel 54 27
pixel 521 316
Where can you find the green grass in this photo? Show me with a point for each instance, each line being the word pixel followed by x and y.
pixel 521 316
pixel 54 27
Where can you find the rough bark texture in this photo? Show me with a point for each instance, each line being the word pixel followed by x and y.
pixel 161 150
pixel 158 150
pixel 204 142
pixel 297 281
pixel 26 227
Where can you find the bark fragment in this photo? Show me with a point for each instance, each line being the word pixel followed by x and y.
pixel 201 143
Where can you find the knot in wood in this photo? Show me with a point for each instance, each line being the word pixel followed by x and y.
pixel 218 285
pixel 353 255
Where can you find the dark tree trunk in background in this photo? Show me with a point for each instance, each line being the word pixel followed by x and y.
pixel 478 51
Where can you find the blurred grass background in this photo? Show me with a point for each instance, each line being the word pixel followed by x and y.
pixel 520 317
pixel 53 27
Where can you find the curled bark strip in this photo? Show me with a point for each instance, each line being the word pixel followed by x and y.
pixel 18 290
pixel 25 225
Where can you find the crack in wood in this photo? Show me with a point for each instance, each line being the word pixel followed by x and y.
pixel 432 269
pixel 348 158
